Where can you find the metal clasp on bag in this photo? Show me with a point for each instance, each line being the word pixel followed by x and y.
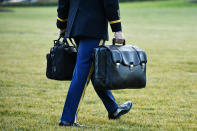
pixel 117 65
pixel 143 66
pixel 131 66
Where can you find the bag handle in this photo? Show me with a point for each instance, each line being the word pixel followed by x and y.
pixel 72 42
pixel 60 36
pixel 65 40
pixel 114 41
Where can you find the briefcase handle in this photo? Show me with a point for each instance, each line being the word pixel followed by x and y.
pixel 114 41
pixel 65 40
pixel 61 36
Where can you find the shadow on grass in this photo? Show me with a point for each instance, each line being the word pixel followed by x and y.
pixel 193 1
pixel 6 10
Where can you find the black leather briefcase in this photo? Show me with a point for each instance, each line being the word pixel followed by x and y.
pixel 61 60
pixel 119 67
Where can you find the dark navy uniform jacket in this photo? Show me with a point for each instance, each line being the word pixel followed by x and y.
pixel 88 18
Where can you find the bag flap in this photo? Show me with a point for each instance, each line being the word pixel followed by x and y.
pixel 116 55
pixel 124 54
pixel 141 53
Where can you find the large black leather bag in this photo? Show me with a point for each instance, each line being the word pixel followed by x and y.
pixel 119 67
pixel 61 60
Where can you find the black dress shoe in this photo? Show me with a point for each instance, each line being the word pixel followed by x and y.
pixel 63 123
pixel 122 109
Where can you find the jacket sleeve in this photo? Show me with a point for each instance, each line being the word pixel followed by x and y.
pixel 62 14
pixel 112 12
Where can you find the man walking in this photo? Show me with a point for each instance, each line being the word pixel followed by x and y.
pixel 87 22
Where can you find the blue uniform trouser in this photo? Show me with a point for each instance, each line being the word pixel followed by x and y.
pixel 82 74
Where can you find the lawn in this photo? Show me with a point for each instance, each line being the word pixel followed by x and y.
pixel 167 31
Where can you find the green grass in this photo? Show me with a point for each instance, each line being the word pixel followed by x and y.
pixel 30 101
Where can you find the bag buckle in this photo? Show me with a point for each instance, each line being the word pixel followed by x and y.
pixel 131 66
pixel 143 65
pixel 117 65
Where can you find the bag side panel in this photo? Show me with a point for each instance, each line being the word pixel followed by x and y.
pixel 99 68
pixel 49 66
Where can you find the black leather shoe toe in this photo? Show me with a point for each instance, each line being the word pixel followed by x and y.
pixel 122 109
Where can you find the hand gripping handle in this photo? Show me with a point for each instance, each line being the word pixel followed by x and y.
pixel 114 41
